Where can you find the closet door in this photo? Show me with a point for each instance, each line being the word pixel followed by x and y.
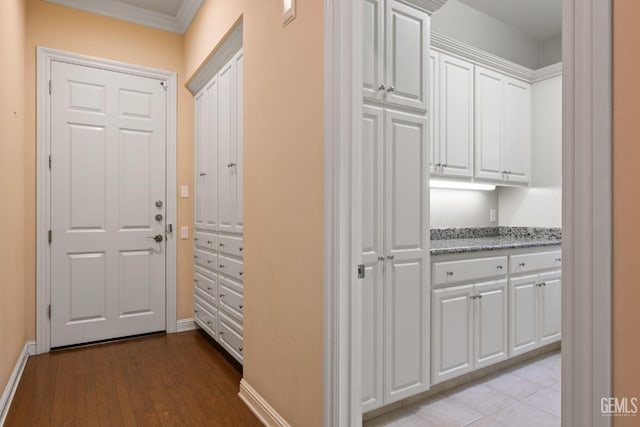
pixel 406 249
pixel 226 145
pixel 199 180
pixel 237 171
pixel 371 292
pixel 210 156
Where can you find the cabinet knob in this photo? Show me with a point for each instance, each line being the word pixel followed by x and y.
pixel 221 245
pixel 195 257
pixel 222 266
pixel 382 87
pixel 444 165
pixel 449 273
pixel 221 295
pixel 473 296
pixel 522 264
pixel 209 242
pixel 240 349
pixel 240 273
pixel 380 258
pixel 391 89
pixel 240 306
pixel 241 248
pixel 195 280
pixel 438 165
pixel 558 259
pixel 391 257
pixel 543 284
pixel 209 288
pixel 499 267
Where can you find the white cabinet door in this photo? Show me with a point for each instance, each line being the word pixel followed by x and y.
pixel 226 145
pixel 491 323
pixel 523 314
pixel 453 332
pixel 432 113
pixel 210 155
pixel 238 169
pixel 455 111
pixel 199 179
pixel 488 122
pixel 407 43
pixel 373 49
pixel 550 299
pixel 372 248
pixel 516 146
pixel 406 246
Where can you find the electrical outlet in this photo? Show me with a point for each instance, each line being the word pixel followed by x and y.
pixel 492 215
pixel 184 232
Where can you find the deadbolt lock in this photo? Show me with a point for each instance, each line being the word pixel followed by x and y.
pixel 159 217
pixel 158 203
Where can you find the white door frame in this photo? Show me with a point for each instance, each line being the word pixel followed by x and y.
pixel 43 267
pixel 587 203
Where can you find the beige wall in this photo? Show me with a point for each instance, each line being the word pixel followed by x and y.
pixel 283 146
pixel 12 177
pixel 626 204
pixel 71 30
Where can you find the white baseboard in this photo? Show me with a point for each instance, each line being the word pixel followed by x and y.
pixel 260 407
pixel 14 380
pixel 31 348
pixel 185 325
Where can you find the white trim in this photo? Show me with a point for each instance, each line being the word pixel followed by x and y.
pixel 223 54
pixel 138 15
pixel 548 72
pixel 31 348
pixel 186 325
pixel 587 205
pixel 289 14
pixel 43 296
pixel 440 42
pixel 342 141
pixel 12 384
pixel 429 6
pixel 260 407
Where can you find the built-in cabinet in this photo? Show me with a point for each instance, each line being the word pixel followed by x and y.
pixel 395 157
pixel 486 309
pixel 218 241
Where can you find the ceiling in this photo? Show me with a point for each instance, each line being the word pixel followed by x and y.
pixel 540 19
pixel 168 15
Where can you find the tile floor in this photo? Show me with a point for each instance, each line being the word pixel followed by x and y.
pixel 524 395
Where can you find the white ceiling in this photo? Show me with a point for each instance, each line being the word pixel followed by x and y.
pixel 168 15
pixel 540 19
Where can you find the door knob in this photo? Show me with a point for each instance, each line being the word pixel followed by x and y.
pixel 158 238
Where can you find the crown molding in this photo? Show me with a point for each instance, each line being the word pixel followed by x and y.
pixel 548 72
pixel 477 56
pixel 429 6
pixel 116 9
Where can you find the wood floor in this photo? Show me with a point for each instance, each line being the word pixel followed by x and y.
pixel 161 380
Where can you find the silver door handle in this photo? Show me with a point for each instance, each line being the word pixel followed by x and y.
pixel 158 238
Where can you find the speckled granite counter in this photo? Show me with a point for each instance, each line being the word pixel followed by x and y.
pixel 462 240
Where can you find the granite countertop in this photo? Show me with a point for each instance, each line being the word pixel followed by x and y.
pixel 462 240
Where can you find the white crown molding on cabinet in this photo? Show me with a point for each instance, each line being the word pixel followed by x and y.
pixel 138 15
pixel 260 407
pixel 230 45
pixel 429 6
pixel 454 47
pixel 548 72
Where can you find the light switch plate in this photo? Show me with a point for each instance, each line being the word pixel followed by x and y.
pixel 184 191
pixel 184 232
pixel 492 215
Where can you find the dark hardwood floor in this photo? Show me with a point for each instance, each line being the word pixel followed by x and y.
pixel 160 380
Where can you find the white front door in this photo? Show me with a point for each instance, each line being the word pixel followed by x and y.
pixel 108 137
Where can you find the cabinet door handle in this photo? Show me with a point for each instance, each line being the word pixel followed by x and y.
pixel 391 257
pixel 381 87
pixel 391 89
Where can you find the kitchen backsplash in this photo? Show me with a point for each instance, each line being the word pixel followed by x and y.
pixel 477 232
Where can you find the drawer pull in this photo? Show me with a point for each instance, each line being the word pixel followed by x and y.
pixel 449 273
pixel 240 273
pixel 209 288
pixel 522 264
pixel 240 349
pixel 480 296
pixel 391 257
pixel 221 295
pixel 380 258
pixel 209 242
pixel 195 280
pixel 240 306
pixel 195 239
pixel 221 265
pixel 195 257
pixel 558 259
pixel 221 333
pixel 195 311
pixel 473 296
pixel 543 284
pixel 209 261
pixel 499 267
pixel 221 245
pixel 208 322
pixel 241 248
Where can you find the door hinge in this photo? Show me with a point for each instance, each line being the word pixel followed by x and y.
pixel 50 236
pixel 49 161
pixel 360 271
pixel 50 84
pixel 49 311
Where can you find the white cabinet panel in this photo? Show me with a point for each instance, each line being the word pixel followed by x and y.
pixel 537 261
pixel 210 153
pixel 373 49
pixel 406 55
pixel 523 317
pixel 232 245
pixel 433 112
pixel 468 269
pixel 456 116
pixel 226 143
pixel 230 336
pixel 491 323
pixel 200 160
pixel 231 303
pixel 488 121
pixel 516 147
pixel 371 295
pixel 550 319
pixel 452 332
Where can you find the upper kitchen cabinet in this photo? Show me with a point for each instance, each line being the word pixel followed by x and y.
pixel 452 139
pixel 503 127
pixel 395 54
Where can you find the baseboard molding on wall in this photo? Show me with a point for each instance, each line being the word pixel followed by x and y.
pixel 14 380
pixel 185 325
pixel 260 407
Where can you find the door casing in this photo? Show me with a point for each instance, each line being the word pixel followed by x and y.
pixel 43 268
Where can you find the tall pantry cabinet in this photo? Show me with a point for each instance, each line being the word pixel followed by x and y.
pixel 218 241
pixel 395 162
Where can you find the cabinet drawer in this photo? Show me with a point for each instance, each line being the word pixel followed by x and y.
pixel 205 240
pixel 204 318
pixel 230 267
pixel 205 259
pixel 231 302
pixel 468 269
pixel 230 337
pixel 535 261
pixel 205 286
pixel 231 245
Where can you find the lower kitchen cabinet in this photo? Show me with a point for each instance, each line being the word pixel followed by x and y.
pixel 469 328
pixel 535 318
